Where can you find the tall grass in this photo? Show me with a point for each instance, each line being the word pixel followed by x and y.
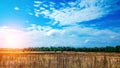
pixel 59 60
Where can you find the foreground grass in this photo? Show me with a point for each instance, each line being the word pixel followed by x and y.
pixel 37 59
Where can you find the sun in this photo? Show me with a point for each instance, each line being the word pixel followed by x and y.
pixel 12 39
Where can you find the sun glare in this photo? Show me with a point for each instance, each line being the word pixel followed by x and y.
pixel 12 39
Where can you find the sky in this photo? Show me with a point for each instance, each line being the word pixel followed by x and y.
pixel 45 23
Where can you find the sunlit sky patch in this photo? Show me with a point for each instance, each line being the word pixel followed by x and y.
pixel 74 23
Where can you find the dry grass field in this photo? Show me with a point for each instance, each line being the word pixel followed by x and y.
pixel 59 60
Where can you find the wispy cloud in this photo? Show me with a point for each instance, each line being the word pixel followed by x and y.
pixel 16 8
pixel 76 36
pixel 79 11
pixel 37 3
pixel 72 36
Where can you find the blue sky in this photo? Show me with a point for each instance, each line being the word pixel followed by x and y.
pixel 74 23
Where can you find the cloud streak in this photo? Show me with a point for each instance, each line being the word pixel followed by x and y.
pixel 78 36
pixel 79 11
pixel 75 36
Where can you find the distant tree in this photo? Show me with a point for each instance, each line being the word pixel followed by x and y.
pixel 84 49
pixel 117 48
pixel 109 49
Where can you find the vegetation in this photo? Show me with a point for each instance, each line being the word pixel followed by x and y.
pixel 54 57
pixel 60 60
pixel 95 49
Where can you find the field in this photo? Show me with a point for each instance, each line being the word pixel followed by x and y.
pixel 59 60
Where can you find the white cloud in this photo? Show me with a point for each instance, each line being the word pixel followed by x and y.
pixel 71 16
pixel 55 32
pixel 37 3
pixel 86 41
pixel 80 11
pixel 16 8
pixel 75 35
pixel 30 13
pixel 38 36
pixel 45 5
pixel 41 8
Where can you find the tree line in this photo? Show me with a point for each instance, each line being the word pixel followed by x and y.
pixel 84 49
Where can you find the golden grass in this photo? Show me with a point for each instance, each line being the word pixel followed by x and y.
pixel 59 60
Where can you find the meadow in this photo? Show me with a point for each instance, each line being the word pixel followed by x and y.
pixel 37 59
